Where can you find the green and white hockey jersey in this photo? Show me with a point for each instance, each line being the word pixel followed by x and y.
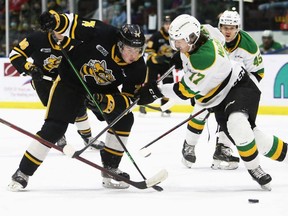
pixel 209 75
pixel 244 49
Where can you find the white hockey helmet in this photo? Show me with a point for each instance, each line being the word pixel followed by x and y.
pixel 230 18
pixel 184 27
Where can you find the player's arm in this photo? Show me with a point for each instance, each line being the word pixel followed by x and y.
pixel 20 54
pixel 70 25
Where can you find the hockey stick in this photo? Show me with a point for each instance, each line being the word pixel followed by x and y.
pixel 119 117
pixel 151 182
pixel 67 149
pixel 146 153
pixel 74 153
pixel 153 107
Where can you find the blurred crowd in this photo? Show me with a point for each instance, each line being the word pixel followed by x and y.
pixel 23 15
pixel 23 18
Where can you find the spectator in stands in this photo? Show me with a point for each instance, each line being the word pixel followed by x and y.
pixel 120 16
pixel 269 46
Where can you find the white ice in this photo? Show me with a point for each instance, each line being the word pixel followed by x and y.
pixel 65 186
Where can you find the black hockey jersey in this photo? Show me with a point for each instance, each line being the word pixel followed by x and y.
pixel 98 59
pixel 42 51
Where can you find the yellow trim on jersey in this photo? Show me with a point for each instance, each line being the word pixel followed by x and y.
pixel 20 51
pixel 15 56
pixel 55 83
pixel 184 92
pixel 212 92
pixel 74 26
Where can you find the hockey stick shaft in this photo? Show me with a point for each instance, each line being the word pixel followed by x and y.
pixel 174 128
pixel 158 188
pixel 140 185
pixel 153 107
pixel 111 124
pixel 77 153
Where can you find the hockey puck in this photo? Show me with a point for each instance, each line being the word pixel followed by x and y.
pixel 253 200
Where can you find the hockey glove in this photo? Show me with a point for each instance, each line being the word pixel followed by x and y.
pixel 48 21
pixel 176 60
pixel 148 93
pixel 162 59
pixel 105 103
pixel 36 73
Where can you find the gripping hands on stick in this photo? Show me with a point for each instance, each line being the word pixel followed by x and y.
pixel 148 93
pixel 101 100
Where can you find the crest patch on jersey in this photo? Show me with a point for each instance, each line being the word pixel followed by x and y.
pixel 52 62
pixel 98 70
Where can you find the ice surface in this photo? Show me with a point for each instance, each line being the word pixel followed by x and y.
pixel 63 186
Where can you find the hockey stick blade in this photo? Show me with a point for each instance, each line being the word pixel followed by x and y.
pixel 146 153
pixel 161 176
pixel 156 179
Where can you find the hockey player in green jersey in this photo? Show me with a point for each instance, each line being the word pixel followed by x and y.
pixel 221 84
pixel 240 47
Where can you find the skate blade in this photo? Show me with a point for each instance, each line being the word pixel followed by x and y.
pixel 266 187
pixel 113 184
pixel 186 163
pixel 224 165
pixel 15 186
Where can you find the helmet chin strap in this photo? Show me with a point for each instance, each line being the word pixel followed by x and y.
pixel 191 47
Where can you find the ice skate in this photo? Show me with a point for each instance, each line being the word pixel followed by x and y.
pixel 19 181
pixel 96 144
pixel 188 153
pixel 112 182
pixel 262 178
pixel 223 158
pixel 62 142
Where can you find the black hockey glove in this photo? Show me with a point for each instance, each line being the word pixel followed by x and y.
pixel 47 21
pixel 36 73
pixel 162 59
pixel 99 98
pixel 176 60
pixel 148 93
pixel 105 102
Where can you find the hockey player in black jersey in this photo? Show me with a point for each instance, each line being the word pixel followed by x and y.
pixel 110 62
pixel 40 47
pixel 158 60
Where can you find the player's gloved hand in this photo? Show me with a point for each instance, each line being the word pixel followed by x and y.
pixel 36 73
pixel 47 21
pixel 104 101
pixel 162 59
pixel 148 93
pixel 176 60
pixel 98 98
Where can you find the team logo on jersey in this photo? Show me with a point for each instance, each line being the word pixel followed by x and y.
pixel 99 71
pixel 52 62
